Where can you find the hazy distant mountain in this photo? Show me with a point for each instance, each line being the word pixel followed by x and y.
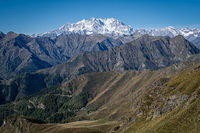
pixel 192 35
pixel 116 28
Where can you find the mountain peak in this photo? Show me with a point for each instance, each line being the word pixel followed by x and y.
pixel 92 19
pixel 179 37
pixel 145 37
pixel 170 27
pixel 11 34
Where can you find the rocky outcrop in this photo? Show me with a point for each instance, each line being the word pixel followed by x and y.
pixel 19 124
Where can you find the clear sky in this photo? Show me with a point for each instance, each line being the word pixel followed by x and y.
pixel 38 16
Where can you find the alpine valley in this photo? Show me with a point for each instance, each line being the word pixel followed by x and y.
pixel 100 75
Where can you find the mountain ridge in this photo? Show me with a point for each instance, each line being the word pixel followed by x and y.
pixel 17 51
pixel 146 52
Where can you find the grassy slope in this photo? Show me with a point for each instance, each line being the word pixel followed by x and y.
pixel 96 126
pixel 184 117
pixel 140 101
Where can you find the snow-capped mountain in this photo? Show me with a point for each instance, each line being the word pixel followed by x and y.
pixel 193 35
pixel 167 31
pixel 105 26
pixel 112 27
pixel 171 32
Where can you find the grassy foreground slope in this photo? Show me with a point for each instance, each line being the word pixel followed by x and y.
pixel 95 126
pixel 165 100
pixel 173 107
pixel 29 125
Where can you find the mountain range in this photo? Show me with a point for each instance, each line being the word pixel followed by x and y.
pixel 116 28
pixel 146 52
pixel 29 54
pixel 22 53
pixel 100 75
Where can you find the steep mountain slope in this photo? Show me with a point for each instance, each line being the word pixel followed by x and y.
pixel 165 100
pixel 74 44
pixel 143 53
pixel 21 53
pixel 16 58
pixel 2 35
pixel 46 50
pixel 172 107
pixel 196 41
pixel 22 85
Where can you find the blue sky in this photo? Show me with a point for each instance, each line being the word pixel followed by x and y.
pixel 38 16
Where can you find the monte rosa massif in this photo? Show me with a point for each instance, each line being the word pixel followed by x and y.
pixel 115 28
